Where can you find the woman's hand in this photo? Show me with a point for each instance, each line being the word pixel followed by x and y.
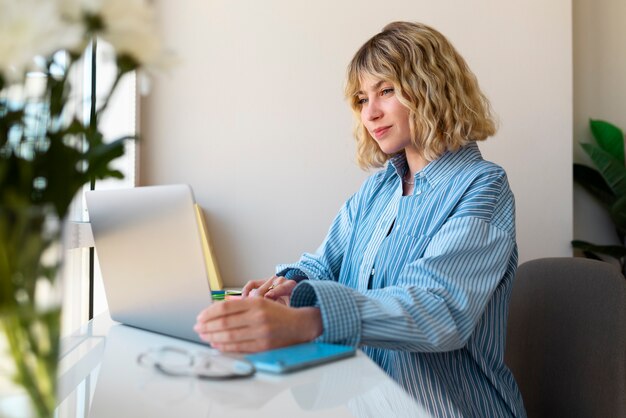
pixel 250 289
pixel 256 324
pixel 275 288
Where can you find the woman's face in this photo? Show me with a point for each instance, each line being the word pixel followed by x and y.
pixel 382 114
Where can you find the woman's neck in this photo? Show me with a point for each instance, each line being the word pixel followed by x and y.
pixel 415 161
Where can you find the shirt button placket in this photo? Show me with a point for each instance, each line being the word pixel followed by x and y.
pixel 367 267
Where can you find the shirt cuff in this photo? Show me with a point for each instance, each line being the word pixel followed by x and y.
pixel 340 316
pixel 293 274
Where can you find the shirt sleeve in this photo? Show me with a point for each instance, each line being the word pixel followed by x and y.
pixel 435 304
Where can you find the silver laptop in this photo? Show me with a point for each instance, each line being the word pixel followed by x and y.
pixel 150 253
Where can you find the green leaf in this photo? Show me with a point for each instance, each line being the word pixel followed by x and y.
pixel 594 183
pixel 58 92
pixel 93 22
pixel 618 214
pixel 17 176
pixel 8 120
pixel 59 165
pixel 75 128
pixel 612 170
pixel 99 157
pixel 615 251
pixel 126 63
pixel 609 137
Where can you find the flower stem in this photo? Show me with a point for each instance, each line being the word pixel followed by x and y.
pixel 33 344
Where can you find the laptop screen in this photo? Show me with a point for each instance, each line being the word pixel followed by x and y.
pixel 150 253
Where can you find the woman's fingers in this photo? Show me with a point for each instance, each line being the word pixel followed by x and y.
pixel 252 285
pixel 284 288
pixel 221 309
pixel 255 324
pixel 231 336
pixel 268 286
pixel 253 346
pixel 272 288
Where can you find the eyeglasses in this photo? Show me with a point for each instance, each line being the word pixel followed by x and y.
pixel 174 361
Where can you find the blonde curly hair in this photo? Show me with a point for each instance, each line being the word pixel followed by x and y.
pixel 447 110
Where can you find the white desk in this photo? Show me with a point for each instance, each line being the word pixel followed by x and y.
pixel 99 377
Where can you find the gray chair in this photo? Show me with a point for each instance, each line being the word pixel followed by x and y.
pixel 566 338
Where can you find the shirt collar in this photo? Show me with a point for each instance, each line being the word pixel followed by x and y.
pixel 397 164
pixel 440 169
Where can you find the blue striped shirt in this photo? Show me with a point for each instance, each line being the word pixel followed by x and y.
pixel 422 282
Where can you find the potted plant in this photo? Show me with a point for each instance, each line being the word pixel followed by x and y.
pixel 48 151
pixel 607 182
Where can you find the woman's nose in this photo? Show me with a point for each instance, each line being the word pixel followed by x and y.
pixel 372 111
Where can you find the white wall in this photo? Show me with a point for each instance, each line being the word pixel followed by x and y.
pixel 599 93
pixel 254 117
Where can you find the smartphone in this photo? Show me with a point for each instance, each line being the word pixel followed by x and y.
pixel 300 356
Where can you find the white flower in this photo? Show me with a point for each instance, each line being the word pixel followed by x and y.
pixel 130 27
pixel 30 28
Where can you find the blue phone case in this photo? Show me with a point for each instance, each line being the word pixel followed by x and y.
pixel 295 357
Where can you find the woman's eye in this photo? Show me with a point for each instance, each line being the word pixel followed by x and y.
pixel 361 100
pixel 388 90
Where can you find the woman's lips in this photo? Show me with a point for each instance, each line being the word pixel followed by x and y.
pixel 380 132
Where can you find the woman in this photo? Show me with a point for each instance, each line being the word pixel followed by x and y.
pixel 418 265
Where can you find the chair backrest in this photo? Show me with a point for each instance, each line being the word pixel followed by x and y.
pixel 566 338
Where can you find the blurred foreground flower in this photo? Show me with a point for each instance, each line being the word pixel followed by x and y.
pixel 48 151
